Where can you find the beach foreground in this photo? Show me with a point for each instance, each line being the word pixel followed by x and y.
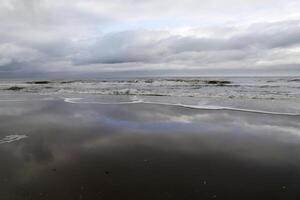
pixel 52 149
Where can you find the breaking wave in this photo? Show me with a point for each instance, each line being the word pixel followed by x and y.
pixel 228 87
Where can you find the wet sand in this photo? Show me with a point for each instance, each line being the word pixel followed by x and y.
pixel 66 151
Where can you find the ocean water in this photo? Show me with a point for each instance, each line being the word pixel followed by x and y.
pixel 274 95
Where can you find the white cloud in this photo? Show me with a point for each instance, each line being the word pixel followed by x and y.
pixel 78 35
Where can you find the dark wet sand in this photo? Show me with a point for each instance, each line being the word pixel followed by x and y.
pixel 128 152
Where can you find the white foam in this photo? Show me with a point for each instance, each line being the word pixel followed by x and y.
pixel 79 100
pixel 12 138
pixel 72 100
pixel 240 109
pixel 137 100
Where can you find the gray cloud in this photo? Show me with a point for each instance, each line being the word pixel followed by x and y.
pixel 257 44
pixel 128 35
pixel 267 35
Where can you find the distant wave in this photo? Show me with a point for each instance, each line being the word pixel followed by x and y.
pixel 140 101
pixel 268 88
pixel 12 138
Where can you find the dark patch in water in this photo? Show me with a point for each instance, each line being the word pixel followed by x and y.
pixel 157 95
pixel 127 92
pixel 73 81
pixel 294 80
pixel 83 81
pixel 196 81
pixel 269 86
pixel 15 88
pixel 149 81
pixel 216 82
pixel 39 82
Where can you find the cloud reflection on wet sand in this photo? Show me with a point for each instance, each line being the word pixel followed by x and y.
pixel 148 152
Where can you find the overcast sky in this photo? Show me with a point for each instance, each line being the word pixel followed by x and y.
pixel 149 37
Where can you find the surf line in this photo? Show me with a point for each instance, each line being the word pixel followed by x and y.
pixel 75 100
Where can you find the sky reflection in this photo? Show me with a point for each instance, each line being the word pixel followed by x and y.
pixel 141 151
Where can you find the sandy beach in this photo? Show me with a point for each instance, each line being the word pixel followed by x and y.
pixel 52 149
pixel 149 100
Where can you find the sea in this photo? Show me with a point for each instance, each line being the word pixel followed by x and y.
pixel 271 95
